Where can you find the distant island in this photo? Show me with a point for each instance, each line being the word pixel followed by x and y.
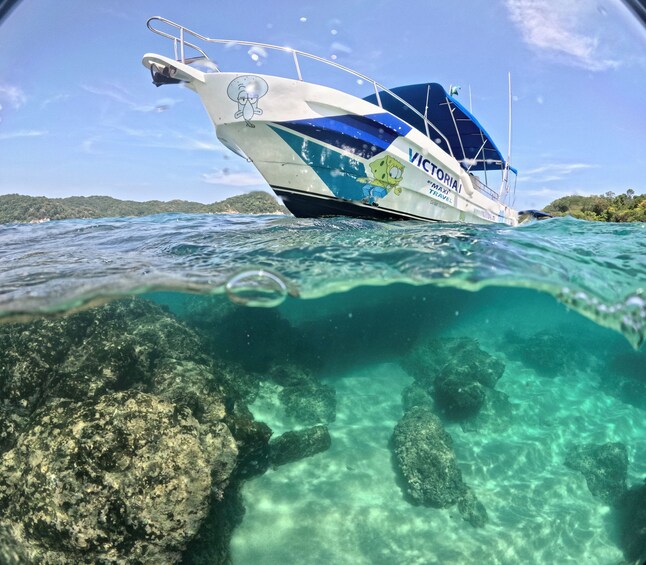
pixel 609 207
pixel 628 207
pixel 19 208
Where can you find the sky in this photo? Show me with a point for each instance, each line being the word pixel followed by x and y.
pixel 80 116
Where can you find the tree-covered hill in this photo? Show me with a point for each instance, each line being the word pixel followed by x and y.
pixel 19 208
pixel 628 207
pixel 609 207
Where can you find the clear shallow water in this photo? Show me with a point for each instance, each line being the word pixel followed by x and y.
pixel 557 303
pixel 598 269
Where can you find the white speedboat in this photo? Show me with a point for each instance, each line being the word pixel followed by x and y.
pixel 411 152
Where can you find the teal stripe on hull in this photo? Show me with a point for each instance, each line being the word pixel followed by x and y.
pixel 339 172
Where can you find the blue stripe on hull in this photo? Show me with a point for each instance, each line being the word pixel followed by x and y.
pixel 365 136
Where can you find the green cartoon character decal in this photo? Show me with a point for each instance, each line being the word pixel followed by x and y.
pixel 387 173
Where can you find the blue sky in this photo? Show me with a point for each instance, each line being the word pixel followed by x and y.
pixel 80 116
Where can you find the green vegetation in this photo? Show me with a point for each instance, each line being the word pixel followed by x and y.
pixel 19 208
pixel 628 207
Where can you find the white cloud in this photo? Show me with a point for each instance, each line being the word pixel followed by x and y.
pixel 87 146
pixel 115 93
pixel 54 99
pixel 113 134
pixel 12 95
pixel 558 29
pixel 225 177
pixel 22 133
pixel 553 171
pixel 173 140
pixel 184 143
pixel 551 193
pixel 122 96
pixel 341 48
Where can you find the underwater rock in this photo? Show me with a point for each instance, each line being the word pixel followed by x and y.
pixel 86 360
pixel 11 425
pixel 605 468
pixel 212 543
pixel 305 399
pixel 457 394
pixel 428 359
pixel 126 478
pixel 10 554
pixel 289 374
pixel 631 513
pixel 295 445
pixel 240 385
pixel 129 344
pixel 415 395
pixel 252 440
pixel 472 510
pixel 424 454
pixel 455 372
pixel 550 353
pixel 123 346
pixel 29 356
pixel 425 458
pixel 190 384
pixel 114 347
pixel 624 377
pixel 496 414
pixel 309 404
pixel 482 367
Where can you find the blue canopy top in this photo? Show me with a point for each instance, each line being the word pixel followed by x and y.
pixel 467 138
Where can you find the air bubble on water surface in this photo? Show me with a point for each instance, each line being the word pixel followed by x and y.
pixel 257 287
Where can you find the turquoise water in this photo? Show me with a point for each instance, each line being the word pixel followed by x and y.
pixel 349 324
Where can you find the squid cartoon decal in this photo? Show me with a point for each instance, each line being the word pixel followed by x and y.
pixel 246 90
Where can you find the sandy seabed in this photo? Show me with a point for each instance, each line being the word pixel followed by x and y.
pixel 345 507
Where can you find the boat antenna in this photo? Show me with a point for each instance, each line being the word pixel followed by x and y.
pixel 470 105
pixel 507 164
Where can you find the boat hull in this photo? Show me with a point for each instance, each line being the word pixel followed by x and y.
pixel 307 205
pixel 326 152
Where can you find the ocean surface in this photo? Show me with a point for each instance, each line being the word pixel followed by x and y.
pixel 345 328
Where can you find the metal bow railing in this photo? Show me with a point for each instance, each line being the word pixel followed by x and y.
pixel 180 44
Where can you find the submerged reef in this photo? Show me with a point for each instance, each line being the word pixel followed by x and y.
pixel 425 458
pixel 296 445
pixel 116 440
pixel 631 512
pixel 605 468
pixel 309 403
pixel 122 437
pixel 127 477
pixel 550 353
pixel 456 378
pixel 624 377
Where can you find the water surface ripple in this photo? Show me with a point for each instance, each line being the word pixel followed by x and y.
pixel 595 268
